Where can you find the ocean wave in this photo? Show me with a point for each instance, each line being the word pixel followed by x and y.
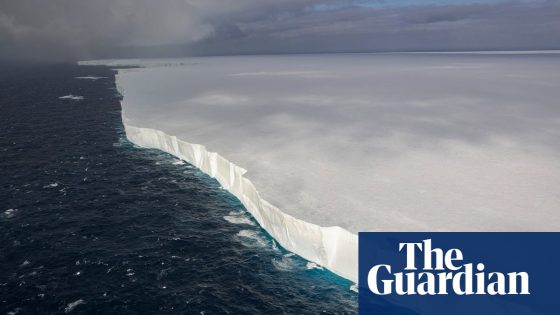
pixel 312 265
pixel 10 213
pixel 238 220
pixel 286 263
pixel 178 162
pixel 250 238
pixel 71 306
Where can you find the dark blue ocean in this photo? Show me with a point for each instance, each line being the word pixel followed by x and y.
pixel 91 224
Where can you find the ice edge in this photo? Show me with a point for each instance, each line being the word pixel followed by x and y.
pixel 332 247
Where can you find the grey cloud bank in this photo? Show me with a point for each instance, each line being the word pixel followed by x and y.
pixel 70 30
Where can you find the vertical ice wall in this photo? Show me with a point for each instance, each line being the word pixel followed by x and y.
pixel 332 247
pixel 444 142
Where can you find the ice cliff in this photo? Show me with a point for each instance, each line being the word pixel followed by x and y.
pixel 336 144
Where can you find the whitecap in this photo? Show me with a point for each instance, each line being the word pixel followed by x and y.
pixel 251 238
pixel 178 162
pixel 51 185
pixel 238 220
pixel 354 288
pixel 25 263
pixel 248 234
pixel 71 306
pixel 72 97
pixel 275 246
pixel 15 311
pixel 312 265
pixel 285 263
pixel 10 213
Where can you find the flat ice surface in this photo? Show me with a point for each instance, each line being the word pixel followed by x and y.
pixel 391 142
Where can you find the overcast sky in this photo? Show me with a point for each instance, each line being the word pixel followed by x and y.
pixel 85 29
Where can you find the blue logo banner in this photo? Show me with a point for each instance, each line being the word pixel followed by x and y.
pixel 459 273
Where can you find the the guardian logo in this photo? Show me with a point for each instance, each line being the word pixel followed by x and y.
pixel 442 272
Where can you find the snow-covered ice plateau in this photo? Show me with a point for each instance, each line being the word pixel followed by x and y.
pixel 319 147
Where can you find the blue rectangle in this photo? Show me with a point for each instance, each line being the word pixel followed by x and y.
pixel 465 273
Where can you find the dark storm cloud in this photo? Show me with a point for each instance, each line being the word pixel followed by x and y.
pixel 73 29
pixel 511 25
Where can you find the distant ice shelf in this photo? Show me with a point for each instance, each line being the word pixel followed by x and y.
pixel 336 144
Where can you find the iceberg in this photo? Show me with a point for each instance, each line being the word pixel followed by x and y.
pixel 90 77
pixel 71 97
pixel 320 147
